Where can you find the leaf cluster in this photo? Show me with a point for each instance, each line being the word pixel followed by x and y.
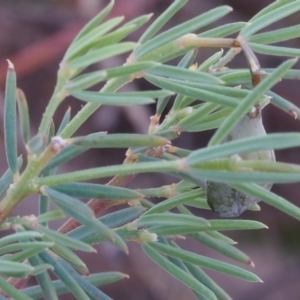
pixel 193 98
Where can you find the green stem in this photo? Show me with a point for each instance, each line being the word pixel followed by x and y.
pixel 21 188
pixel 58 96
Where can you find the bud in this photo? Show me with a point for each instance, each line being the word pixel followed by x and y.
pixel 223 199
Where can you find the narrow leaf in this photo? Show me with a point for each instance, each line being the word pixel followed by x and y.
pixel 90 289
pixel 65 240
pixel 65 120
pixel 119 141
pixel 207 281
pixel 205 262
pixel 270 18
pixel 169 219
pixel 19 235
pixel 269 198
pixel 99 279
pixel 100 54
pixel 114 99
pixel 8 177
pixel 21 246
pixel 173 202
pixel 10 131
pixel 235 225
pixel 249 101
pixel 11 291
pixel 45 283
pixel 223 30
pixel 274 50
pixel 178 273
pixel 161 20
pixel 14 269
pixel 95 21
pixel 222 247
pixel 64 276
pixel 50 216
pixel 192 92
pixel 23 116
pixel 90 190
pixel 182 29
pixel 184 74
pixel 62 201
pixel 69 256
pixel 271 141
pixel 276 36
pixel 112 220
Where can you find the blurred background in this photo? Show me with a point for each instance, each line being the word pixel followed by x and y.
pixel 34 36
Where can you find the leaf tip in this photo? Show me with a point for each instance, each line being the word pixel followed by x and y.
pixel 251 263
pixel 10 65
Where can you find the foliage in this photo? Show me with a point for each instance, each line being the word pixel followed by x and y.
pixel 226 95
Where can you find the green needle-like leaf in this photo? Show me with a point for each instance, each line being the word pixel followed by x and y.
pixel 184 74
pixel 170 219
pixel 10 119
pixel 221 237
pixel 45 283
pixel 284 104
pixel 205 262
pixel 69 256
pixel 11 291
pixel 65 240
pixel 64 276
pixel 269 197
pixel 182 29
pixel 14 269
pixel 210 61
pixel 90 289
pixel 119 141
pixel 235 225
pixel 173 202
pixel 83 214
pixel 276 36
pixel 274 50
pixel 195 93
pixel 271 141
pixel 23 116
pixel 162 20
pixel 125 169
pixel 22 246
pixel 100 54
pixel 86 42
pixel 64 155
pixel 65 120
pixel 118 99
pixel 90 190
pixel 99 279
pixel 223 30
pixel 22 255
pixel 207 281
pixel 85 81
pixel 111 220
pixel 16 236
pixel 270 18
pixel 95 21
pixel 178 273
pixel 8 177
pixel 51 216
pixel 62 201
pixel 222 247
pixel 249 101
